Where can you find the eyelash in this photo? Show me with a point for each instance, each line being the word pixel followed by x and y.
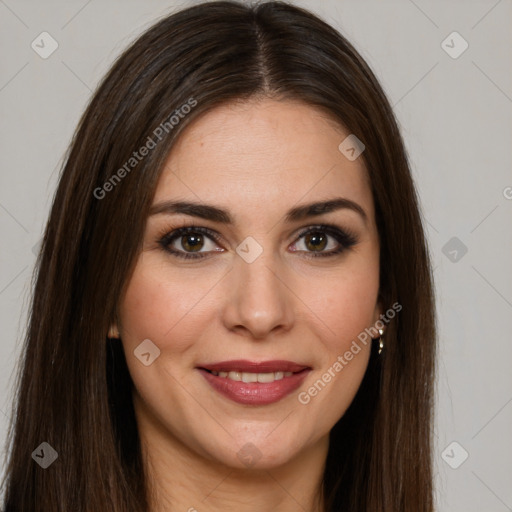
pixel 345 238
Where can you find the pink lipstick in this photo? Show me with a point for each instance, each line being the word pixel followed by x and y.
pixel 254 383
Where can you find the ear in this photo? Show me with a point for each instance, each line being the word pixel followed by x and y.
pixel 377 311
pixel 377 317
pixel 113 332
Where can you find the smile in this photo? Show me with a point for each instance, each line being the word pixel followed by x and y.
pixel 254 383
pixel 253 377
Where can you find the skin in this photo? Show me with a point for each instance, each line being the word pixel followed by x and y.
pixel 256 160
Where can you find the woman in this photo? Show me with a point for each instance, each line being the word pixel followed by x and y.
pixel 233 306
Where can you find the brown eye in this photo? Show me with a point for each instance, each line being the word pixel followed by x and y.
pixel 325 240
pixel 192 242
pixel 316 241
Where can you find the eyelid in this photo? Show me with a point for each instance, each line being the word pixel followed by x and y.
pixel 169 236
pixel 326 227
pixel 344 237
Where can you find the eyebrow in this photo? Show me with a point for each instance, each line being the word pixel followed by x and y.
pixel 215 214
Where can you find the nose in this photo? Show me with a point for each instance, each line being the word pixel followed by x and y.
pixel 258 301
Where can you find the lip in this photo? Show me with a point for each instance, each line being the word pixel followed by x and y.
pixel 255 393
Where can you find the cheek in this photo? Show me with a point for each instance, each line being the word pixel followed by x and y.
pixel 153 308
pixel 160 305
pixel 344 305
pixel 344 312
pixel 342 308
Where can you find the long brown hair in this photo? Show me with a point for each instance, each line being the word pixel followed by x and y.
pixel 74 389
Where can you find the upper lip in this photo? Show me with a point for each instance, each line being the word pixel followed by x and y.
pixel 242 365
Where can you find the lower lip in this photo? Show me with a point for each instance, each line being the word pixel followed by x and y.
pixel 255 393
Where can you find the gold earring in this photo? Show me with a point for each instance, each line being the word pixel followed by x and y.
pixel 381 343
pixel 113 333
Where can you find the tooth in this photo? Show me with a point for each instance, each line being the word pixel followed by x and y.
pixel 266 377
pixel 249 377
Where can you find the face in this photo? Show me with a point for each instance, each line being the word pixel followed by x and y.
pixel 247 282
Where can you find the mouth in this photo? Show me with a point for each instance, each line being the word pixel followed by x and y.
pixel 254 383
pixel 239 376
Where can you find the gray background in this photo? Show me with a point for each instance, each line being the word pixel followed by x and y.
pixel 455 114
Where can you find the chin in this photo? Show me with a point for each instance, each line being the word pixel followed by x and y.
pixel 255 453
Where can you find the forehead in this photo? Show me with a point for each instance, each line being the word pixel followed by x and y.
pixel 266 153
